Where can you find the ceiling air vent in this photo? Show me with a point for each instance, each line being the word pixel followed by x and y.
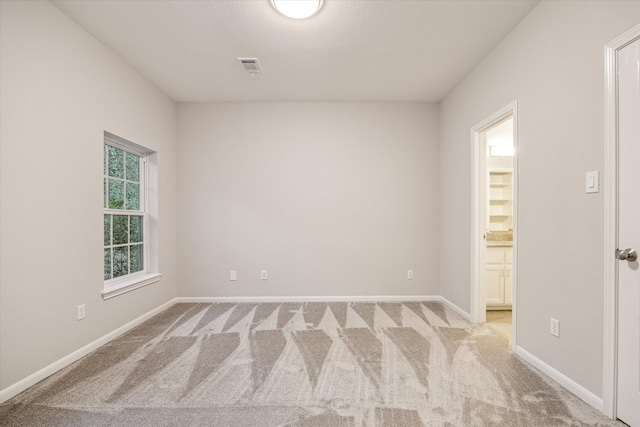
pixel 250 65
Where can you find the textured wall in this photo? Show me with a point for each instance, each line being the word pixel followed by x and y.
pixel 552 63
pixel 60 90
pixel 330 198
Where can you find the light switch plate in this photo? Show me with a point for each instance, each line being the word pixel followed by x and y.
pixel 592 184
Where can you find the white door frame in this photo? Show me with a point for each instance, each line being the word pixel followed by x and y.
pixel 478 305
pixel 610 356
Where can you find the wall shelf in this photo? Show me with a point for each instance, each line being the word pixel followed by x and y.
pixel 500 200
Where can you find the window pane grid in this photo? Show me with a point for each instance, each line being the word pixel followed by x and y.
pixel 125 257
pixel 122 212
pixel 125 211
pixel 120 246
pixel 124 215
pixel 122 179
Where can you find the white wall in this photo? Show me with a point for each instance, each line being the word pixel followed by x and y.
pixel 60 90
pixel 553 63
pixel 500 162
pixel 333 199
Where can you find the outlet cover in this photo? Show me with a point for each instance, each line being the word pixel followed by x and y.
pixel 555 327
pixel 264 275
pixel 81 312
pixel 233 275
pixel 409 274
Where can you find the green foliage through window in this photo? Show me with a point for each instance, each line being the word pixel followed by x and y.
pixel 123 219
pixel 122 179
pixel 123 245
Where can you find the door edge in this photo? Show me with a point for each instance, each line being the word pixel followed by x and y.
pixel 610 344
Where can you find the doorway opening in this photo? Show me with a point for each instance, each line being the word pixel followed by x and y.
pixel 494 219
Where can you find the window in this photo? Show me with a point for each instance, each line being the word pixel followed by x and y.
pixel 126 217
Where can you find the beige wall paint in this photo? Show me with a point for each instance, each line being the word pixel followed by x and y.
pixel 371 187
pixel 553 64
pixel 60 90
pixel 333 199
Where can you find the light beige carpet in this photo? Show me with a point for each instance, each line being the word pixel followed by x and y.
pixel 293 364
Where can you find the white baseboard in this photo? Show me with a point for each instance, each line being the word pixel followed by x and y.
pixel 22 385
pixel 348 298
pixel 345 298
pixel 561 379
pixel 351 298
pixel 466 316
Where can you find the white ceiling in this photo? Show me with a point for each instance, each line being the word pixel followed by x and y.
pixel 352 50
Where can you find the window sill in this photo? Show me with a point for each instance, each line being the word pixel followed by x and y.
pixel 129 285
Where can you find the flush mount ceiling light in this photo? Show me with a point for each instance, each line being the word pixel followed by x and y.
pixel 297 9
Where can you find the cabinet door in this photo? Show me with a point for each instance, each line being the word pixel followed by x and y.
pixel 508 256
pixel 508 272
pixel 494 282
pixel 495 256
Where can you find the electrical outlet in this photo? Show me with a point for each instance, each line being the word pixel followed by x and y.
pixel 409 274
pixel 264 275
pixel 555 327
pixel 81 312
pixel 233 276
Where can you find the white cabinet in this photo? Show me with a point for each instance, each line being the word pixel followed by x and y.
pixel 494 276
pixel 498 277
pixel 508 270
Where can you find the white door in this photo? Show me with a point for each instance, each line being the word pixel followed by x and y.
pixel 628 393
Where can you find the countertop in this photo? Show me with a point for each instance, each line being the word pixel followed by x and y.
pixel 499 239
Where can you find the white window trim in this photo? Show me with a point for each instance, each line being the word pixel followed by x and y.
pixel 129 283
pixel 148 181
